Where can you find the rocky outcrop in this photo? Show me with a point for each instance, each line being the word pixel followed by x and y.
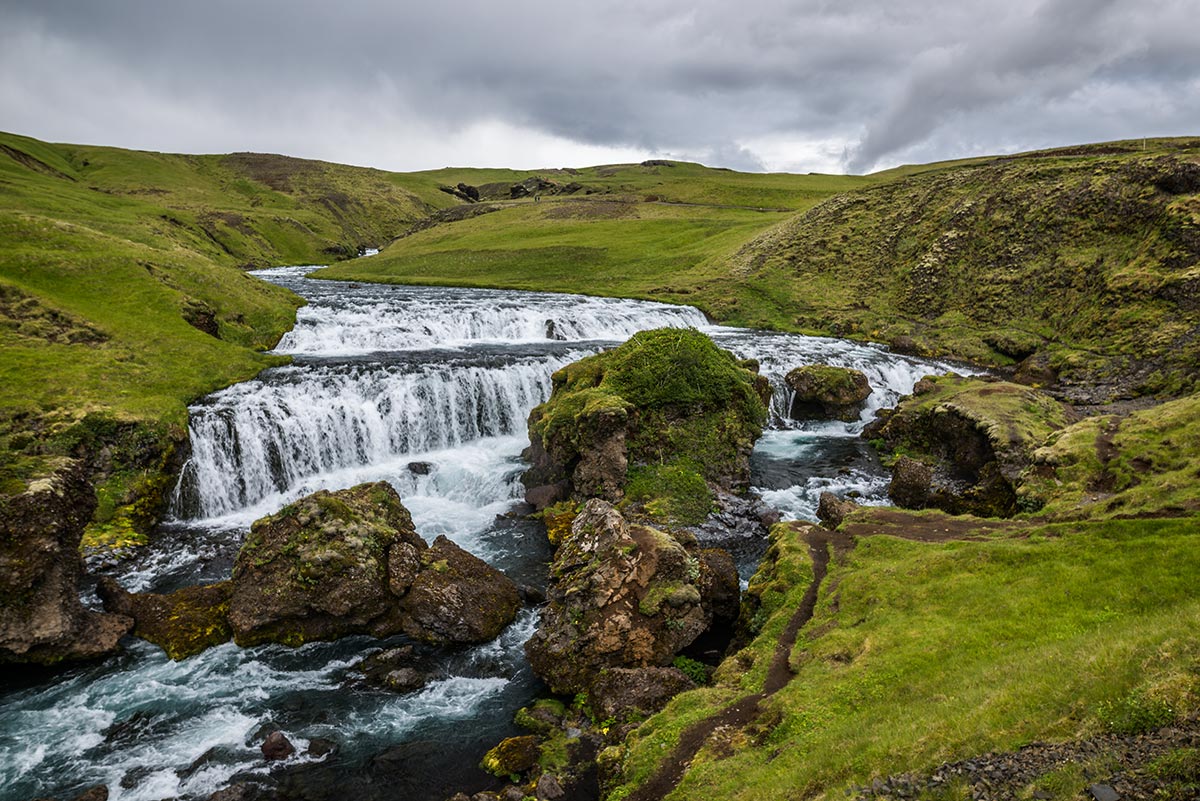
pixel 182 623
pixel 832 510
pixel 350 562
pixel 41 617
pixel 965 442
pixel 668 407
pixel 624 596
pixel 823 391
pixel 631 693
pixel 327 566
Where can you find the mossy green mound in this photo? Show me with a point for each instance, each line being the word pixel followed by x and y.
pixel 977 435
pixel 652 420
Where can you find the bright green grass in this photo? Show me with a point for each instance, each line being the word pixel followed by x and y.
pixel 1074 252
pixel 923 653
pixel 630 249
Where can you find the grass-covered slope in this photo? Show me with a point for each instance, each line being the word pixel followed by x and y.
pixel 1088 256
pixel 650 231
pixel 922 652
pixel 123 295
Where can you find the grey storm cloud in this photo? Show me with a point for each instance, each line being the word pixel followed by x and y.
pixel 753 85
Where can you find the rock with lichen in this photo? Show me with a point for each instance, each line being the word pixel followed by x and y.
pixel 964 442
pixel 624 595
pixel 824 391
pixel 183 623
pixel 42 620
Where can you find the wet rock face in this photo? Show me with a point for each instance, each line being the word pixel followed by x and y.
pixel 182 623
pixel 969 440
pixel 823 391
pixel 624 596
pixel 41 618
pixel 350 562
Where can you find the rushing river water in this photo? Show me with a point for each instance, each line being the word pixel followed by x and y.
pixel 428 388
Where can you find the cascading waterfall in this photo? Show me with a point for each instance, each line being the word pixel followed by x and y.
pixel 428 388
pixel 269 435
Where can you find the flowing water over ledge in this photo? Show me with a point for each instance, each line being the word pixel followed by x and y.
pixel 427 388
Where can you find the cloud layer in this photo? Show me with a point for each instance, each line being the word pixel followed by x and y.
pixel 761 84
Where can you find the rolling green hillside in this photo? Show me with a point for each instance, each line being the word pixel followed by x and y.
pixel 123 294
pixel 1088 257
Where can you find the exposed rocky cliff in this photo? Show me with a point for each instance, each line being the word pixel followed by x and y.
pixel 41 617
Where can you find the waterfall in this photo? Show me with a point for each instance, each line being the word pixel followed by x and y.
pixel 267 436
pixel 407 318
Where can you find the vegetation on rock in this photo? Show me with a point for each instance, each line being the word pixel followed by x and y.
pixel 977 436
pixel 651 422
pixel 837 392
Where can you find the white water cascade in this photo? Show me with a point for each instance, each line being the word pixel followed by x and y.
pixel 428 388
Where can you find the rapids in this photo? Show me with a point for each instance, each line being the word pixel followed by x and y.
pixel 428 388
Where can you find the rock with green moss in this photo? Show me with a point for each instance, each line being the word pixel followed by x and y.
pixel 965 442
pixel 824 391
pixel 183 623
pixel 350 562
pixel 42 620
pixel 624 596
pixel 512 756
pixel 665 397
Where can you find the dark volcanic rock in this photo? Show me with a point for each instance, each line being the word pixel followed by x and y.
pixel 622 596
pixel 277 746
pixel 623 693
pixel 41 618
pixel 975 436
pixel 910 484
pixel 457 597
pixel 831 509
pixel 182 623
pixel 825 391
pixel 350 562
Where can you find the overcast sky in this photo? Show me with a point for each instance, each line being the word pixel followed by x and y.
pixel 807 85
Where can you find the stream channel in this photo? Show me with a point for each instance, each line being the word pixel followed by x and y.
pixel 427 388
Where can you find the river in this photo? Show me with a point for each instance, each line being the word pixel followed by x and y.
pixel 427 388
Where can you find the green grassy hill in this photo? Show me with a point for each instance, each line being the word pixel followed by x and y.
pixel 1085 256
pixel 123 294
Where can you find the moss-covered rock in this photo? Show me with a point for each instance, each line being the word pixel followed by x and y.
pixel 665 397
pixel 513 756
pixel 975 435
pixel 183 623
pixel 821 390
pixel 350 562
pixel 624 596
pixel 42 620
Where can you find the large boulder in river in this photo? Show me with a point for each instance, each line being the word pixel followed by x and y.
pixel 350 562
pixel 41 617
pixel 821 390
pixel 624 596
pixel 668 409
pixel 965 442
